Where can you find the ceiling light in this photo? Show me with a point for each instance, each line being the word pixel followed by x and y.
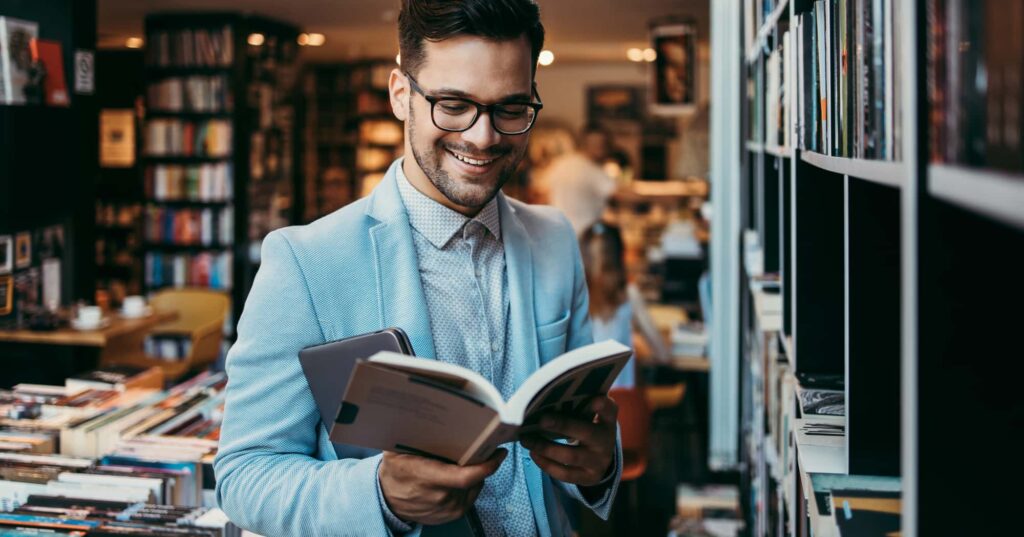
pixel 398 59
pixel 303 40
pixel 255 39
pixel 635 55
pixel 316 40
pixel 133 42
pixel 546 57
pixel 650 55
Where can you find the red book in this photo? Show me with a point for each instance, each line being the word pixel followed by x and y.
pixel 55 88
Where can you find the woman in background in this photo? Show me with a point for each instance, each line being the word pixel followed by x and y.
pixel 611 313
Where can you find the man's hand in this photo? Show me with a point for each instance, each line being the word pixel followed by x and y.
pixel 425 491
pixel 586 463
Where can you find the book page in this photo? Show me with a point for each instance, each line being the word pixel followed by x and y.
pixel 465 380
pixel 567 383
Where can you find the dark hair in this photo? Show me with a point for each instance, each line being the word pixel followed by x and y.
pixel 437 20
pixel 604 267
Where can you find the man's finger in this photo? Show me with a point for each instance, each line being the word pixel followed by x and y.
pixel 560 453
pixel 606 409
pixel 566 474
pixel 465 477
pixel 574 428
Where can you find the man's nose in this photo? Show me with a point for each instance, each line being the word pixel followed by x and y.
pixel 482 133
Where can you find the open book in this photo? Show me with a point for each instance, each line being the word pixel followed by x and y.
pixel 425 407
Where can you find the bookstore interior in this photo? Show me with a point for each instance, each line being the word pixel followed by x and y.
pixel 860 165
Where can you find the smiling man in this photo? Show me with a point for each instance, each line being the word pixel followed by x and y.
pixel 473 277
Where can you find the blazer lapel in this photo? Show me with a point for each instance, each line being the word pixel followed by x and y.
pixel 523 353
pixel 400 297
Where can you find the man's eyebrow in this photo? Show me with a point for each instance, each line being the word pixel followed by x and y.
pixel 452 92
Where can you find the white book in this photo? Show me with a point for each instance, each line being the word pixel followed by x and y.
pixel 15 37
pixel 427 407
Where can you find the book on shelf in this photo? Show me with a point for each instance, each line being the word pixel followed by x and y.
pixel 441 410
pixel 207 269
pixel 190 47
pixel 168 137
pixel 193 93
pixel 16 36
pixel 55 88
pixel 866 512
pixel 190 226
pixel 848 57
pixel 975 87
pixel 209 182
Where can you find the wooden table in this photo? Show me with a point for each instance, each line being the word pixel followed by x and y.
pixel 120 336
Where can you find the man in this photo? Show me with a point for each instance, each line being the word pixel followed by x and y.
pixel 577 182
pixel 473 277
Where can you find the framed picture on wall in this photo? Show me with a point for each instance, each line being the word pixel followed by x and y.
pixel 673 72
pixel 614 103
pixel 6 254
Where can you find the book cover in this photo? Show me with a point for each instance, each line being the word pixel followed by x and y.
pixel 16 36
pixel 55 89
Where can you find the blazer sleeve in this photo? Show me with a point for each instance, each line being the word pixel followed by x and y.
pixel 580 334
pixel 268 479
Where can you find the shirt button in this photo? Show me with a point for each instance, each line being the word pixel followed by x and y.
pixel 479 274
pixel 509 508
pixel 494 346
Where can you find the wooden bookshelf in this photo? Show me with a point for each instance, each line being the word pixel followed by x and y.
pixel 892 174
pixel 249 91
pixel 995 194
pixel 346 115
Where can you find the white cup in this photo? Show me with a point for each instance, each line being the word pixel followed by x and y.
pixel 134 305
pixel 90 315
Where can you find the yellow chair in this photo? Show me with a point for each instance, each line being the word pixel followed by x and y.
pixel 201 314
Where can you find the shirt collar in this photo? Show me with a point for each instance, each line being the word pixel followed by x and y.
pixel 437 223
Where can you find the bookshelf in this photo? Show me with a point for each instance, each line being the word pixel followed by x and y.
pixel 350 136
pixel 218 149
pixel 897 224
pixel 48 173
pixel 119 192
pixel 822 198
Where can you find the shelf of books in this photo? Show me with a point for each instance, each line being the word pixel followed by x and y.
pixel 350 136
pixel 218 147
pixel 970 245
pixel 111 452
pixel 821 318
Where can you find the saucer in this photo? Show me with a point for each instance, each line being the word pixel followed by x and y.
pixel 146 312
pixel 79 325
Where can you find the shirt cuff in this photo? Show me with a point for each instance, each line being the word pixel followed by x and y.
pixel 396 525
pixel 599 492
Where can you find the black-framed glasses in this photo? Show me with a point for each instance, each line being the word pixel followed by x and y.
pixel 457 114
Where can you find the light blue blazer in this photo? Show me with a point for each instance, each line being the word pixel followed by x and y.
pixel 351 272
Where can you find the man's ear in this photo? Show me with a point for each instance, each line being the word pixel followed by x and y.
pixel 398 90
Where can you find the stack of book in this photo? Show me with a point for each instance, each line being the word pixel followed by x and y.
pixel 975 70
pixel 180 138
pixel 195 93
pixel 207 269
pixel 849 98
pixel 191 47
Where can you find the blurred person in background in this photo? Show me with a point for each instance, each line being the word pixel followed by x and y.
pixel 576 181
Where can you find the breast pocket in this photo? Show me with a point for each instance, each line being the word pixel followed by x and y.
pixel 551 337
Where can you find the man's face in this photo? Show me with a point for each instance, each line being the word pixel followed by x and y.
pixel 466 168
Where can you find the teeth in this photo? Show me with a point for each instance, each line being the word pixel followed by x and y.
pixel 471 161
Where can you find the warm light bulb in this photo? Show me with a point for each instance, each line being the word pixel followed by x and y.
pixel 546 57
pixel 256 39
pixel 650 55
pixel 133 42
pixel 303 40
pixel 316 40
pixel 635 55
